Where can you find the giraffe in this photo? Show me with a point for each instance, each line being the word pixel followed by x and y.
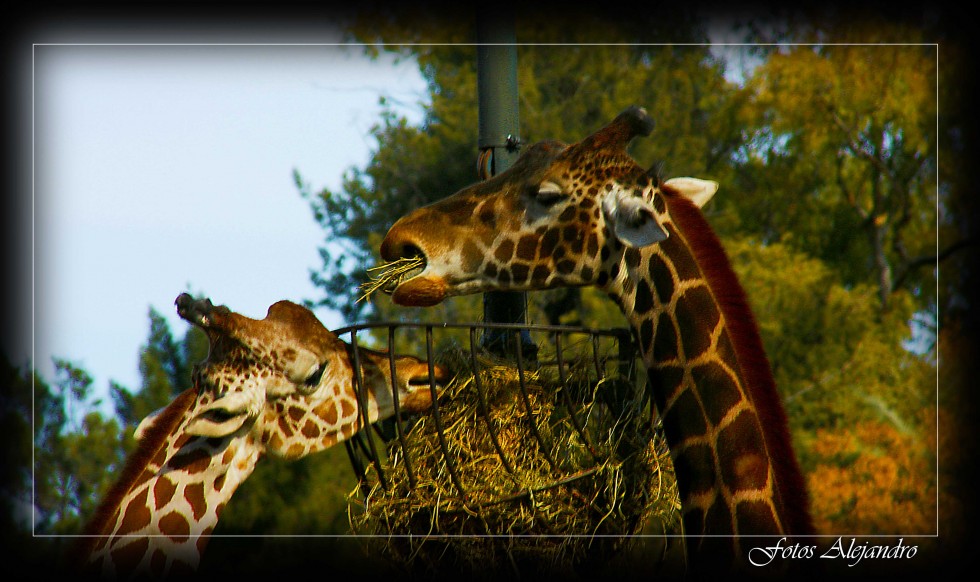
pixel 587 214
pixel 283 385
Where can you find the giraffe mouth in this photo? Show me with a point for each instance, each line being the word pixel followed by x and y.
pixel 418 395
pixel 222 417
pixel 408 278
pixel 404 277
pixel 389 275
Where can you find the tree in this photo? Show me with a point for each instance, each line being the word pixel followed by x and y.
pixel 874 107
pixel 76 449
pixel 862 407
pixel 23 392
pixel 835 358
pixel 841 158
pixel 873 479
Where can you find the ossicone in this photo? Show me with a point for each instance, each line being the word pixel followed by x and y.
pixel 618 133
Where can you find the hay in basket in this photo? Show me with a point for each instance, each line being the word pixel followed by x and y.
pixel 553 493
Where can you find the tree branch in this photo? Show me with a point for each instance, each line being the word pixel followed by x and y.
pixel 854 144
pixel 924 260
pixel 849 194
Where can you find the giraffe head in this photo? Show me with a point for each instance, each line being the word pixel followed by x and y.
pixel 282 385
pixel 291 382
pixel 561 216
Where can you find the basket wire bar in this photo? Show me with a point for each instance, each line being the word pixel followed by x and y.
pixel 399 425
pixel 362 400
pixel 356 462
pixel 595 356
pixel 361 448
pixel 484 409
pixel 450 464
pixel 568 400
pixel 545 448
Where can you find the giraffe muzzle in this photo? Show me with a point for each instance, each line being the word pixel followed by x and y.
pixel 417 390
pixel 413 288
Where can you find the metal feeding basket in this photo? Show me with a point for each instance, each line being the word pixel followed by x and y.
pixel 543 453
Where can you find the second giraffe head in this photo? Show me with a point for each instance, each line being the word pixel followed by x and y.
pixel 295 363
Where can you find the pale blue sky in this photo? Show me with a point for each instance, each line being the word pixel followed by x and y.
pixel 159 169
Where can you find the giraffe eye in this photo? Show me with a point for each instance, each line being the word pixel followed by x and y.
pixel 549 194
pixel 313 380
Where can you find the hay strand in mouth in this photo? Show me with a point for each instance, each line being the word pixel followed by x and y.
pixel 387 276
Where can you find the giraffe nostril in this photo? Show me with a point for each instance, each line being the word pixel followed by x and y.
pixel 441 374
pixel 398 244
pixel 408 251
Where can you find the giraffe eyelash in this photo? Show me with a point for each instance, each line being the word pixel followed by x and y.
pixel 313 380
pixel 548 193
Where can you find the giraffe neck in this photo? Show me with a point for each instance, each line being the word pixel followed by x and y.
pixel 712 384
pixel 162 511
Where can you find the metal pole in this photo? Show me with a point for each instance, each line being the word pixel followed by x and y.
pixel 499 142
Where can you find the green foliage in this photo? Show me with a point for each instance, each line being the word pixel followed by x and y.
pixel 165 368
pixel 16 403
pixel 75 446
pixel 861 406
pixel 841 158
pixel 24 392
pixel 77 450
pixel 405 174
pixel 837 359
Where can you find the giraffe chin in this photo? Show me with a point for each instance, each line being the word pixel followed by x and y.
pixel 420 292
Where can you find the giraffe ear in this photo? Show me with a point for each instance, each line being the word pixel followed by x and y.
pixel 633 219
pixel 222 417
pixel 694 189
